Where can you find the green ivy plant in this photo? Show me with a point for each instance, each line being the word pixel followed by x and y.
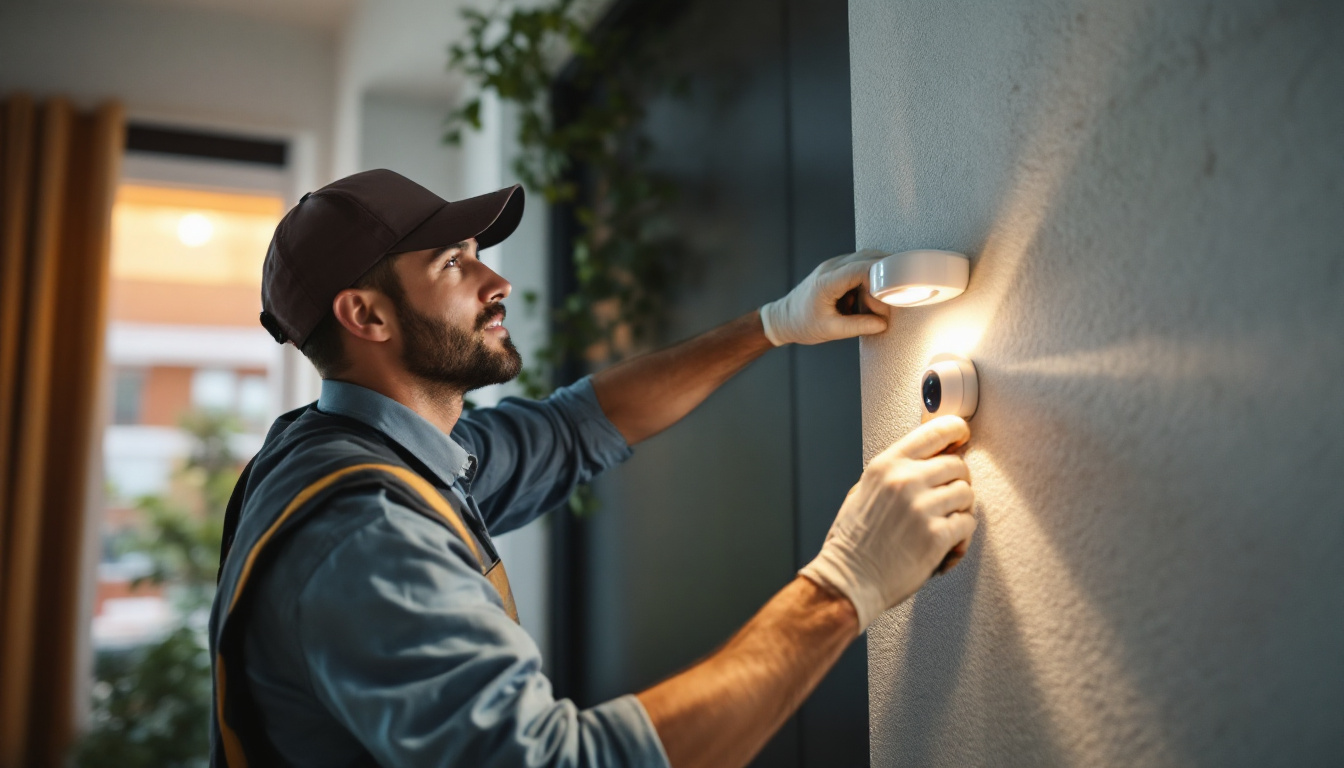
pixel 624 254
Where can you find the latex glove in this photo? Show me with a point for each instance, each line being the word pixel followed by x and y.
pixel 807 315
pixel 911 507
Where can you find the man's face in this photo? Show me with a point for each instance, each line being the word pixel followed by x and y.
pixel 452 319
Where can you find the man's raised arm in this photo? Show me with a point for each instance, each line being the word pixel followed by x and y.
pixel 647 394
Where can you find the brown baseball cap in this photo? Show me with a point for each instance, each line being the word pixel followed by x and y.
pixel 334 235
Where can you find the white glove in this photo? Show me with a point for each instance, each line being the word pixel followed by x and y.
pixel 808 314
pixel 911 507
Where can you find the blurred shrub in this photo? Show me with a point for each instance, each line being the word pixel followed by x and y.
pixel 151 704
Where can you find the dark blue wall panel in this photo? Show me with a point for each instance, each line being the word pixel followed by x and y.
pixel 711 518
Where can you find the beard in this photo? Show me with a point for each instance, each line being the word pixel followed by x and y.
pixel 452 357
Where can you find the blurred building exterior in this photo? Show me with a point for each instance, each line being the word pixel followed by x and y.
pixel 182 338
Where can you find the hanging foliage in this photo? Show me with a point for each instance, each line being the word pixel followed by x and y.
pixel 594 160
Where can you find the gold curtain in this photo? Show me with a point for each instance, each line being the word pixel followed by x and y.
pixel 58 173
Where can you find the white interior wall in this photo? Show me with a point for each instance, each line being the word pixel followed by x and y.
pixel 405 135
pixel 397 48
pixel 1152 193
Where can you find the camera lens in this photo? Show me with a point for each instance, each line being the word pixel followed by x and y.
pixel 933 391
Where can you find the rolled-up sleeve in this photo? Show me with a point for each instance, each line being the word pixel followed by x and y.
pixel 533 453
pixel 408 646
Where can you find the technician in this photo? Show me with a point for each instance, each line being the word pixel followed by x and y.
pixel 363 617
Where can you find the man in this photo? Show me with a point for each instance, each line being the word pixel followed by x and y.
pixel 363 617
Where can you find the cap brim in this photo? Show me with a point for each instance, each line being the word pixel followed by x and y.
pixel 489 218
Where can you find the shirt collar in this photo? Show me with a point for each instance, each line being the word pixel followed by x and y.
pixel 439 452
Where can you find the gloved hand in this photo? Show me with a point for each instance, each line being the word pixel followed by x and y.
pixel 908 510
pixel 807 315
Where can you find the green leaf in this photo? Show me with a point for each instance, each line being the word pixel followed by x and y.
pixel 472 113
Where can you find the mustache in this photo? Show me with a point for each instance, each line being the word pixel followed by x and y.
pixel 491 313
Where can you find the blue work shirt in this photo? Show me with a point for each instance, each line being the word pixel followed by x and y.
pixel 374 638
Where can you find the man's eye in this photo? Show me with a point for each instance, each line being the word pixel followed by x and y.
pixel 452 262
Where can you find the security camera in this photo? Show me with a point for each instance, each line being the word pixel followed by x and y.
pixel 949 386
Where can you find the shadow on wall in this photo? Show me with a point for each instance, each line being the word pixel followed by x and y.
pixel 1158 494
pixel 932 638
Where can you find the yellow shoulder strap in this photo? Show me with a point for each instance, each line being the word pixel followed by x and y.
pixel 496 575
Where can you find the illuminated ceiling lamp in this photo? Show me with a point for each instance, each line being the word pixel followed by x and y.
pixel 918 278
pixel 195 230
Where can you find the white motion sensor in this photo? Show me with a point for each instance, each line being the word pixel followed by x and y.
pixel 949 385
pixel 916 278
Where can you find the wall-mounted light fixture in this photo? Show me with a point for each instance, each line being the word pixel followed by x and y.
pixel 917 278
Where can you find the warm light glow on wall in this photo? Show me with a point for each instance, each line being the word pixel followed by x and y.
pixel 954 332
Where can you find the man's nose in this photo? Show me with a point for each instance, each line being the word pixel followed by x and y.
pixel 494 288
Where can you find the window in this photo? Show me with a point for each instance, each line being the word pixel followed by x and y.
pixel 192 370
pixel 194 384
pixel 127 390
pixel 254 398
pixel 213 389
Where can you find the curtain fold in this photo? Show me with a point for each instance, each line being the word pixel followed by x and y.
pixel 57 183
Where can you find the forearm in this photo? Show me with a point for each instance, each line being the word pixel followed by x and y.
pixel 647 394
pixel 722 711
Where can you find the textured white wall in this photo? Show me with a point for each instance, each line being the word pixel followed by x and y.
pixel 1153 193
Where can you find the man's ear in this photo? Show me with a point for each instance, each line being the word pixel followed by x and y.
pixel 366 314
